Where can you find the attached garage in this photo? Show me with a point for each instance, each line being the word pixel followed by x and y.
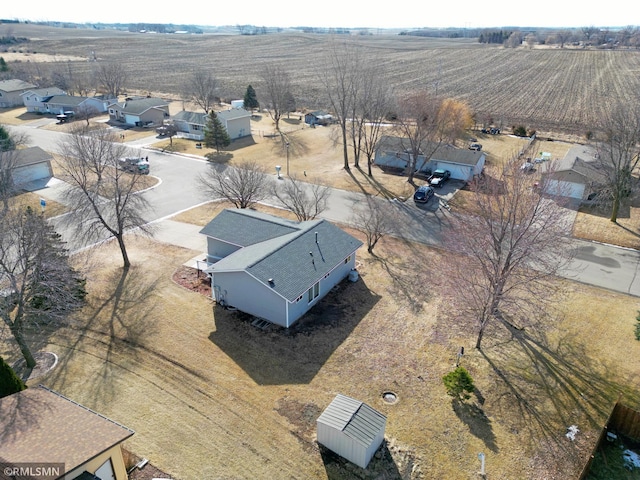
pixel 31 164
pixel 351 429
pixel 573 176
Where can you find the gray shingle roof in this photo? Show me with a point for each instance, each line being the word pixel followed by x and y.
pixel 14 85
pixel 69 100
pixel 46 92
pixel 141 105
pixel 446 153
pixel 355 419
pixel 31 156
pixel 280 250
pixel 195 118
pixel 232 114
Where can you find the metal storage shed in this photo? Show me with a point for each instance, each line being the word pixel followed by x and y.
pixel 351 429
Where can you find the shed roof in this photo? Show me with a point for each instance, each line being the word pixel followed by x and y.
pixel 14 85
pixel 293 255
pixel 44 425
pixel 355 419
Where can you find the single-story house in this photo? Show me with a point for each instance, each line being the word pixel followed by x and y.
pixel 140 112
pixel 31 164
pixel 61 104
pixel 10 91
pixel 351 429
pixel 236 121
pixel 575 176
pixel 39 424
pixel 36 99
pixel 273 268
pixel 464 164
pixel 318 118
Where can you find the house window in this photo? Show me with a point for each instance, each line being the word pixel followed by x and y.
pixel 314 292
pixel 195 127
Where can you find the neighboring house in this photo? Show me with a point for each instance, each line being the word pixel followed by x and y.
pixel 36 99
pixel 577 175
pixel 318 118
pixel 41 425
pixel 273 268
pixel 464 164
pixel 237 121
pixel 191 125
pixel 10 91
pixel 31 164
pixel 140 112
pixel 351 429
pixel 61 104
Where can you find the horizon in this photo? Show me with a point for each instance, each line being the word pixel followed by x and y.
pixel 333 14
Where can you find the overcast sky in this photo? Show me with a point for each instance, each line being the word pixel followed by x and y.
pixel 333 13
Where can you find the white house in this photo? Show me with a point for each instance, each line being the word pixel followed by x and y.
pixel 574 176
pixel 273 268
pixel 36 99
pixel 31 164
pixel 351 429
pixel 464 164
pixel 57 432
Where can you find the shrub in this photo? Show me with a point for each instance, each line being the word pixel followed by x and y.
pixel 459 383
pixel 520 131
pixel 10 383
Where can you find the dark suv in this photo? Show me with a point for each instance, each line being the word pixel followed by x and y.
pixel 423 194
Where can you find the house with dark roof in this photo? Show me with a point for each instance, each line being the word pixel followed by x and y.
pixel 40 425
pixel 273 268
pixel 236 121
pixel 352 429
pixel 11 91
pixel 318 117
pixel 36 99
pixel 464 164
pixel 577 175
pixel 140 112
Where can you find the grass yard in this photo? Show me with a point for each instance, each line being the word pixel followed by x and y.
pixel 210 396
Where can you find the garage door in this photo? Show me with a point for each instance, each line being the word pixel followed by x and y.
pixel 30 173
pixel 565 189
pixel 458 172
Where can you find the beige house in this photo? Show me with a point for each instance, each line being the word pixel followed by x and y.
pixel 40 425
pixel 11 91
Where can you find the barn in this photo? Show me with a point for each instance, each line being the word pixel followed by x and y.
pixel 351 429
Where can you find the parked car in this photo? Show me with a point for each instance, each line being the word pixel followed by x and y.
pixel 423 194
pixel 439 177
pixel 134 165
pixel 475 146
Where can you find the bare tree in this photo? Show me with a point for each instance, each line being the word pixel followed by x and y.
pixel 306 201
pixel 201 89
pixel 37 284
pixel 373 218
pixel 618 151
pixel 373 100
pixel 86 113
pixel 276 83
pixel 504 256
pixel 9 142
pixel 103 197
pixel 111 77
pixel 244 185
pixel 343 81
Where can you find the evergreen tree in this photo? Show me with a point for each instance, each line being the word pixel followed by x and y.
pixel 10 383
pixel 459 383
pixel 6 142
pixel 215 135
pixel 3 65
pixel 250 99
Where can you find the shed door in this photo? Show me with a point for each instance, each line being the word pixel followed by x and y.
pixel 105 472
pixel 29 173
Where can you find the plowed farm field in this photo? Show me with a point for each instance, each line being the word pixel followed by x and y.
pixel 548 89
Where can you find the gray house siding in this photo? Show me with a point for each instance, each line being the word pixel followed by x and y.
pixel 11 92
pixel 239 290
pixel 217 249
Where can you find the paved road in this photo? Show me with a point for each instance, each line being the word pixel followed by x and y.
pixel 604 266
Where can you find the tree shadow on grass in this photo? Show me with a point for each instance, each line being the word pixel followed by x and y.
pixel 117 320
pixel 477 421
pixel 553 385
pixel 277 355
pixel 219 158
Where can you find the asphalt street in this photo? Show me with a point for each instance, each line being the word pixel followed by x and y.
pixel 605 266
